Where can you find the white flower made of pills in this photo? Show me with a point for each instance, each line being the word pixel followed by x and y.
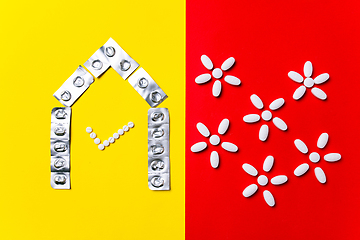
pixel 308 82
pixel 217 73
pixel 263 180
pixel 214 140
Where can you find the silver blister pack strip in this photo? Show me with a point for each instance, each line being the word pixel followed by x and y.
pixel 60 147
pixel 97 64
pixel 119 60
pixel 158 149
pixel 147 87
pixel 74 87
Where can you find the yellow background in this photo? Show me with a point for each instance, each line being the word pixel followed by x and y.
pixel 42 44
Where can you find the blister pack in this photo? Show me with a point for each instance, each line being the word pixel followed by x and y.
pixel 97 64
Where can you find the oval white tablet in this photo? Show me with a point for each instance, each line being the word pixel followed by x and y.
pixel 276 104
pixel 264 132
pixel 101 147
pixel 280 124
pixel 320 94
pixel 116 135
pixel 121 132
pixel 251 118
pixel 217 73
pixel 301 146
pixel 301 169
pixel 268 163
pixel 93 135
pixel 229 147
pixel 314 157
pixel 249 169
pixel 106 143
pixel 97 141
pixel 214 159
pixel 332 157
pixel 266 115
pixel 299 92
pixel 269 199
pixel 232 80
pixel 215 140
pixel 111 140
pixel 223 126
pixel 131 124
pixel 228 63
pixel 320 175
pixel 262 180
pixel 308 69
pixel 295 77
pixel 216 90
pixel 126 128
pixel 198 147
pixel 89 129
pixel 203 130
pixel 250 190
pixel 321 78
pixel 206 61
pixel 203 78
pixel 278 180
pixel 323 140
pixel 256 101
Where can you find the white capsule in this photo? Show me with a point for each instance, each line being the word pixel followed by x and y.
pixel 97 141
pixel 232 80
pixel 126 128
pixel 264 132
pixel 321 78
pixel 276 104
pixel 256 101
pixel 216 90
pixel 223 126
pixel 320 94
pixel 116 135
pixel 121 132
pixel 301 146
pixel 309 82
pixel 215 140
pixel 262 180
pixel 250 190
pixel 203 130
pixel 249 169
pixel 323 140
pixel 106 143
pixel 93 135
pixel 198 147
pixel 266 115
pixel 332 157
pixel 280 124
pixel 101 147
pixel 203 78
pixel 89 129
pixel 268 163
pixel 281 179
pixel 229 147
pixel 214 159
pixel 111 140
pixel 301 169
pixel 299 92
pixel 131 124
pixel 320 175
pixel 206 61
pixel 217 73
pixel 314 157
pixel 269 199
pixel 308 69
pixel 228 63
pixel 251 118
pixel 295 77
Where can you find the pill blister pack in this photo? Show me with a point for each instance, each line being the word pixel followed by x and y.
pixel 158 149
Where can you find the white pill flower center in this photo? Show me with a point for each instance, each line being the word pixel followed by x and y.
pixel 309 82
pixel 314 157
pixel 215 140
pixel 217 73
pixel 266 115
pixel 262 180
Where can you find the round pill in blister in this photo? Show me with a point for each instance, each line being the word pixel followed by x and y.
pixel 116 135
pixel 121 132
pixel 89 129
pixel 111 140
pixel 131 124
pixel 101 147
pixel 97 141
pixel 93 135
pixel 125 128
pixel 106 143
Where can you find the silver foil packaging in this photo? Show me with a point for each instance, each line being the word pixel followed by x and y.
pixel 97 64
pixel 158 149
pixel 60 148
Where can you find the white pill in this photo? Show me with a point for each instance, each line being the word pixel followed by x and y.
pixel 262 180
pixel 295 77
pixel 308 69
pixel 320 175
pixel 268 163
pixel 216 90
pixel 215 140
pixel 301 169
pixel 320 94
pixel 264 132
pixel 250 190
pixel 301 146
pixel 232 80
pixel 131 124
pixel 332 157
pixel 206 61
pixel 276 104
pixel 299 92
pixel 309 82
pixel 121 132
pixel 269 198
pixel 321 78
pixel 97 141
pixel 198 147
pixel 203 78
pixel 106 143
pixel 93 135
pixel 280 124
pixel 89 129
pixel 214 159
pixel 101 147
pixel 223 126
pixel 323 140
pixel 217 73
pixel 116 135
pixel 249 169
pixel 125 128
pixel 203 130
pixel 251 118
pixel 266 115
pixel 228 63
pixel 314 157
pixel 256 101
pixel 111 140
pixel 229 147
pixel 281 179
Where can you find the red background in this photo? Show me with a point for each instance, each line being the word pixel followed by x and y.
pixel 268 39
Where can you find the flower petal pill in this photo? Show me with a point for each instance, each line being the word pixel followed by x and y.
pixel 249 169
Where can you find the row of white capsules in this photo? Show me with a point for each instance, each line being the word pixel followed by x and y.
pixel 158 149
